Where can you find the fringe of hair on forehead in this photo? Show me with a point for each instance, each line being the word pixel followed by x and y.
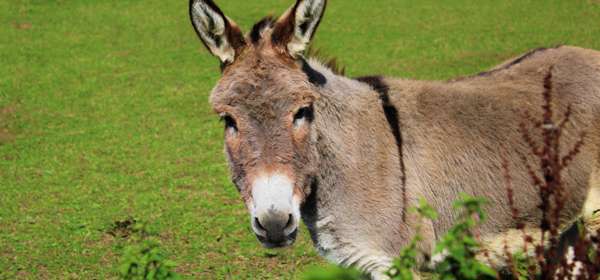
pixel 312 52
pixel 259 27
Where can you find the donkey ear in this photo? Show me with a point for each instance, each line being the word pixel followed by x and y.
pixel 220 35
pixel 296 27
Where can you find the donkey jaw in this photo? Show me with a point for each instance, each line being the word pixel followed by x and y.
pixel 289 240
pixel 275 210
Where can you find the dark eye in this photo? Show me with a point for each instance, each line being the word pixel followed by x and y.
pixel 229 123
pixel 303 115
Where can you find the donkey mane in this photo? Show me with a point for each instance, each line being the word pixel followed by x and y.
pixel 507 65
pixel 376 81
pixel 328 61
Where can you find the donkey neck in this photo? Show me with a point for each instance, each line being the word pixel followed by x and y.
pixel 359 174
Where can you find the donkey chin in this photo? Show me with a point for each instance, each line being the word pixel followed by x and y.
pixel 275 210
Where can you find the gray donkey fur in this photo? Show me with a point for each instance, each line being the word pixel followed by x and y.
pixel 349 156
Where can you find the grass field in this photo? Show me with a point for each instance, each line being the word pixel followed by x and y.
pixel 104 116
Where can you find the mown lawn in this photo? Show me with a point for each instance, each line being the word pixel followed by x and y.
pixel 104 116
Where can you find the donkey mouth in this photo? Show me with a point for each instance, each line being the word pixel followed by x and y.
pixel 273 243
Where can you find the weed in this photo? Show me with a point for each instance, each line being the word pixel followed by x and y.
pixel 459 246
pixel 580 260
pixel 143 259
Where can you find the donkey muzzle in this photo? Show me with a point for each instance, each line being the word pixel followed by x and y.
pixel 275 210
pixel 276 229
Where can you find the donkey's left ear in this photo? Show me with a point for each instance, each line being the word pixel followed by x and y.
pixel 220 35
pixel 295 29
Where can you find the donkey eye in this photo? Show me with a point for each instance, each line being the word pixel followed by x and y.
pixel 229 123
pixel 304 114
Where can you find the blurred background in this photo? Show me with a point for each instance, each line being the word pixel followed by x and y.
pixel 105 121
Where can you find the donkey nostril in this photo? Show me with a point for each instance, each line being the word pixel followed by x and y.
pixel 258 225
pixel 290 222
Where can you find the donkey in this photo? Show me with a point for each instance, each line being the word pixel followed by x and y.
pixel 349 156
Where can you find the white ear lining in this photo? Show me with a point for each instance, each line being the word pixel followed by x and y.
pixel 307 17
pixel 211 28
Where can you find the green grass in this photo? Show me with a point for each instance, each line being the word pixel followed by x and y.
pixel 104 115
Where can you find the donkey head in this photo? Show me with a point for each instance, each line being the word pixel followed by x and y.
pixel 265 99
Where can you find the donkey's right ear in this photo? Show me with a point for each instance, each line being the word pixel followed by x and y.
pixel 220 35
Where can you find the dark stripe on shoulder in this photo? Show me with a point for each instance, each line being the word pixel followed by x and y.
pixel 393 120
pixel 376 82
